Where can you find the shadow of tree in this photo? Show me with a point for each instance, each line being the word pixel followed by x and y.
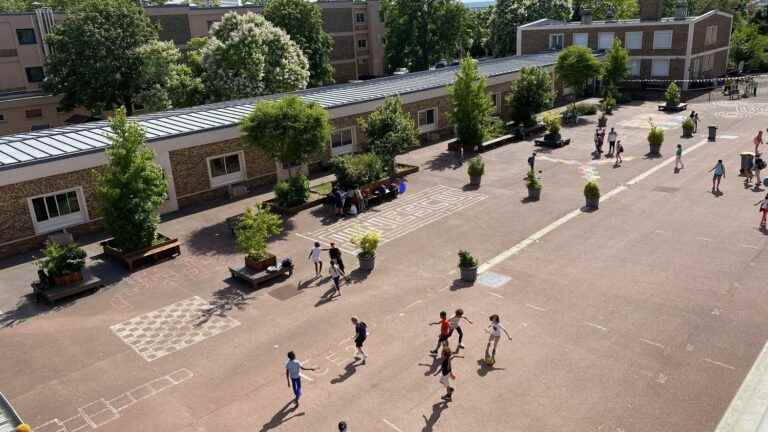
pixel 223 302
pixel 443 161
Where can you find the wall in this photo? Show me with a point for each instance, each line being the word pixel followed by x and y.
pixel 16 121
pixel 15 57
pixel 723 24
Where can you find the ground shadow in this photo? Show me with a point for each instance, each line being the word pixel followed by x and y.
pixel 217 238
pixel 460 284
pixel 586 209
pixel 652 156
pixel 716 194
pixel 326 214
pixel 484 368
pixel 437 411
pixel 327 297
pixel 282 416
pixel 444 161
pixel 27 308
pixel 359 275
pixel 433 368
pixel 308 283
pixel 349 370
pixel 224 301
pixel 528 200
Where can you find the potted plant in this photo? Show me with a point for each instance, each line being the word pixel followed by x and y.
pixel 655 138
pixel 602 121
pixel 608 104
pixel 367 244
pixel 253 231
pixel 552 123
pixel 476 169
pixel 534 186
pixel 672 95
pixel 688 128
pixel 63 263
pixel 467 266
pixel 592 194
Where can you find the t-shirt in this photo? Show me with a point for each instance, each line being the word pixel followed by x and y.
pixel 679 151
pixel 294 368
pixel 334 253
pixel 719 168
pixel 335 271
pixel 361 331
pixel 612 136
pixel 454 322
pixel 316 253
pixel 445 327
pixel 764 204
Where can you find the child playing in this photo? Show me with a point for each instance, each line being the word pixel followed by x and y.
pixel 495 329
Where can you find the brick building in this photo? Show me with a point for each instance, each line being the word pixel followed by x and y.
pixel 675 48
pixel 47 182
pixel 355 27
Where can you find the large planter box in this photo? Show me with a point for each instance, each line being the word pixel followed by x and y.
pixel 405 169
pixel 534 194
pixel 468 274
pixel 593 203
pixel 655 149
pixel 366 263
pixel 259 266
pixel 475 180
pixel 68 279
pixel 673 108
pixel 46 289
pixel 314 201
pixel 165 248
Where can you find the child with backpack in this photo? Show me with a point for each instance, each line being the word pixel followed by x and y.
pixel 361 334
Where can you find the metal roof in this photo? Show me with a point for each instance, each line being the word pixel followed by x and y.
pixel 49 144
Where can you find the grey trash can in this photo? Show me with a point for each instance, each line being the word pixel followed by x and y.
pixel 746 162
pixel 712 133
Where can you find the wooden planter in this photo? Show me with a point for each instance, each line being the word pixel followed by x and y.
pixel 260 266
pixel 165 248
pixel 468 274
pixel 68 279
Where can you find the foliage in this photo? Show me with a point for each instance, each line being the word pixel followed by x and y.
pixel 531 181
pixel 168 84
pixel 608 104
pixel 292 192
pixel 353 171
pixel 247 56
pixel 131 188
pixel 256 226
pixel 421 33
pixel 508 14
pixel 622 9
pixel 615 66
pixel 62 259
pixel 288 130
pixel 748 45
pixel 472 107
pixel 476 167
pixel 479 22
pixel 591 190
pixel 303 21
pixel 390 131
pixel 531 94
pixel 552 123
pixel 576 66
pixel 688 125
pixel 95 61
pixel 367 243
pixel 672 95
pixel 585 108
pixel 466 260
pixel 655 134
pixel 30 5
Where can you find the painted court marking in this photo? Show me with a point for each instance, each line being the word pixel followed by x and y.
pixel 534 307
pixel 709 360
pixel 392 425
pixel 493 280
pixel 650 342
pixel 597 326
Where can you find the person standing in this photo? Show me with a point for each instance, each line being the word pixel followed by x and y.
pixel 361 333
pixel 338 201
pixel 314 256
pixel 758 141
pixel 446 373
pixel 494 328
pixel 445 330
pixel 598 150
pixel 532 161
pixel 336 274
pixel 612 136
pixel 763 203
pixel 719 173
pixel 695 122
pixel 619 154
pixel 679 158
pixel 455 324
pixel 759 165
pixel 293 374
pixel 334 254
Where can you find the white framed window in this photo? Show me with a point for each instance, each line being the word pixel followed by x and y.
pixel 556 41
pixel 58 210
pixel 633 40
pixel 360 17
pixel 343 141
pixel 362 44
pixel 634 67
pixel 660 67
pixel 708 62
pixel 226 169
pixel 711 37
pixel 581 39
pixel 426 119
pixel 662 39
pixel 496 102
pixel 604 40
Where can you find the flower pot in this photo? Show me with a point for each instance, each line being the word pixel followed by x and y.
pixel 534 194
pixel 687 133
pixel 468 274
pixel 68 279
pixel 655 148
pixel 593 203
pixel 475 180
pixel 366 262
pixel 260 266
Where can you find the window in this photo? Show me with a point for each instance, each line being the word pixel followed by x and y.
pixel 34 113
pixel 39 127
pixel 360 17
pixel 662 39
pixel 343 141
pixel 26 36
pixel 57 210
pixel 581 39
pixel 35 74
pixel 711 37
pixel 362 44
pixel 634 67
pixel 660 68
pixel 708 62
pixel 226 169
pixel 633 40
pixel 604 40
pixel 427 119
pixel 696 68
pixel 556 41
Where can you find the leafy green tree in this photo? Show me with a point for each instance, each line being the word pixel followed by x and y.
pixel 95 61
pixel 621 9
pixel 131 188
pixel 193 54
pixel 472 107
pixel 760 19
pixel 509 14
pixel 30 5
pixel 480 32
pixel 248 56
pixel 168 83
pixel 748 45
pixel 531 94
pixel 303 21
pixel 288 130
pixel 615 67
pixel 256 226
pixel 421 33
pixel 390 132
pixel 576 67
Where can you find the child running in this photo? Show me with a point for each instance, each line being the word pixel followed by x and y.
pixel 494 328
pixel 446 373
pixel 764 210
pixel 314 256
pixel 679 158
pixel 445 331
pixel 336 274
pixel 619 153
pixel 455 324
pixel 719 173
pixel 361 334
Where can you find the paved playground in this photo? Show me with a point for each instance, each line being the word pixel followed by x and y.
pixel 645 315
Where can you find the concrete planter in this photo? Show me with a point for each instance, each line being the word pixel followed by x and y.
pixel 534 194
pixel 260 266
pixel 468 274
pixel 367 263
pixel 655 149
pixel 593 203
pixel 687 133
pixel 475 180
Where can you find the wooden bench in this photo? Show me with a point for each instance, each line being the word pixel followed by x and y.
pixel 552 144
pixel 255 278
pixel 45 289
pixel 156 253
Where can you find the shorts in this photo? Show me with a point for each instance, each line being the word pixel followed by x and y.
pixel 359 342
pixel 443 337
pixel 716 176
pixel 315 260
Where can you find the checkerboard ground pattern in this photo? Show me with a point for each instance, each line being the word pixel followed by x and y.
pixel 399 217
pixel 172 328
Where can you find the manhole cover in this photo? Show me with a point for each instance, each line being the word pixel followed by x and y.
pixel 493 280
pixel 666 189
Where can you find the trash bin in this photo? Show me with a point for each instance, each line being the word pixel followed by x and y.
pixel 712 133
pixel 746 162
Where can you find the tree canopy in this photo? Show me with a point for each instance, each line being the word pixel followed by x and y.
pixel 303 21
pixel 748 45
pixel 622 9
pixel 472 107
pixel 615 66
pixel 576 66
pixel 531 94
pixel 479 23
pixel 390 131
pixel 508 14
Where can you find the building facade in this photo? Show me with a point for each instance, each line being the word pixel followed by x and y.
pixel 47 179
pixel 677 48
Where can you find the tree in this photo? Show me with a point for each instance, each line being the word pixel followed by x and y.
pixel 390 132
pixel 131 188
pixel 257 225
pixel 509 14
pixel 615 67
pixel 421 33
pixel 247 56
pixel 95 61
pixel 303 21
pixel 576 66
pixel 621 9
pixel 472 106
pixel 168 84
pixel 748 45
pixel 480 32
pixel 288 130
pixel 531 94
pixel 30 5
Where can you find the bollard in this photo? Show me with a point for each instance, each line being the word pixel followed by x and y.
pixel 712 133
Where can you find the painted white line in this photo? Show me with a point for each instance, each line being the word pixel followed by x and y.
pixel 744 246
pixel 534 307
pixel 516 249
pixel 650 342
pixel 305 377
pixel 659 232
pixel 595 326
pixel 391 425
pixel 494 294
pixel 709 360
pixel 413 304
pixel 703 239
pixel 343 341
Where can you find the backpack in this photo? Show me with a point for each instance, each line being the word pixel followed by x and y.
pixel 760 164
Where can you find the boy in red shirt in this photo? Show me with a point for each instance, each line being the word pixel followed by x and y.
pixel 445 331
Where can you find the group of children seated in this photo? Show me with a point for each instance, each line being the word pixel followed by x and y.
pixel 352 202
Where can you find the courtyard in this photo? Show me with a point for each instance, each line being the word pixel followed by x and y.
pixel 645 315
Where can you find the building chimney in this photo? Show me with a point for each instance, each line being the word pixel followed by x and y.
pixel 681 10
pixel 651 10
pixel 586 17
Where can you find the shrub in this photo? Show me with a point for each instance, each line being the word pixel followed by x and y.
pixel 353 171
pixel 655 135
pixel 608 104
pixel 367 243
pixel 688 125
pixel 552 122
pixel 584 108
pixel 257 225
pixel 672 96
pixel 390 131
pixel 530 94
pixel 591 190
pixel 292 192
pixel 62 259
pixel 531 181
pixel 476 167
pixel 466 259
